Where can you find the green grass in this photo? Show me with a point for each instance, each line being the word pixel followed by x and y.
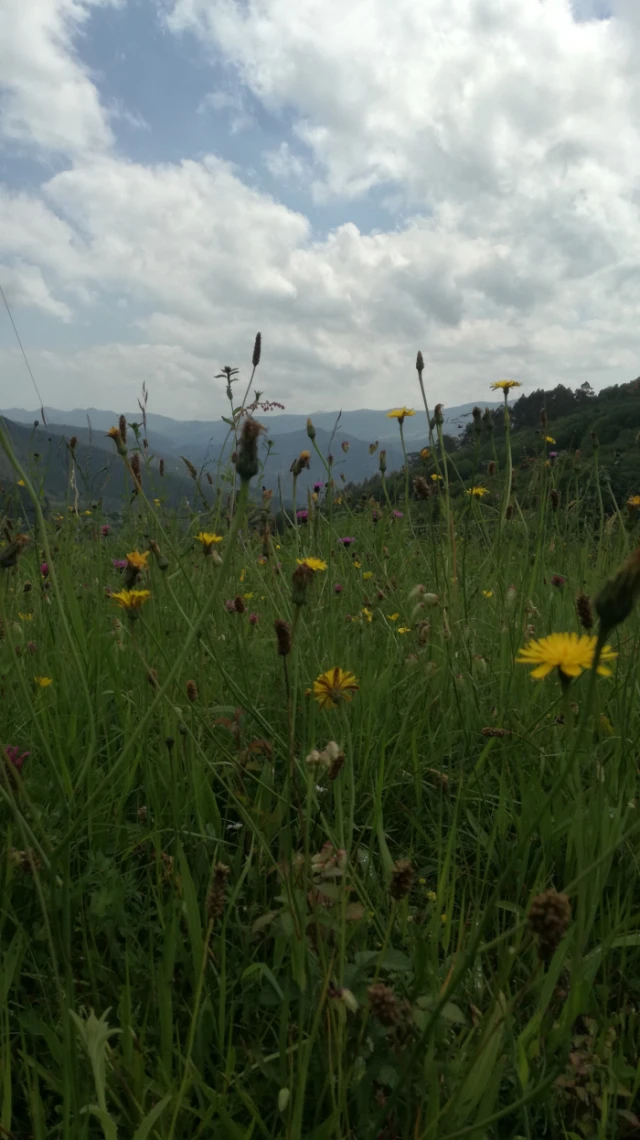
pixel 181 956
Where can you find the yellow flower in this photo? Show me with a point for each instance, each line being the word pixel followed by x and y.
pixel 432 896
pixel 137 560
pixel 43 682
pixel 86 512
pixel 443 919
pixel 404 629
pixel 333 687
pixel 367 574
pixel 487 593
pixel 21 483
pixel 156 502
pixel 315 496
pixel 565 651
pixel 606 725
pixel 25 617
pixel 247 596
pixel 242 574
pixel 400 413
pixel 367 614
pixel 304 455
pixel 634 502
pixel 393 617
pixel 549 439
pixel 505 385
pixel 131 600
pixel 436 478
pixel 357 565
pixel 478 492
pixel 208 539
pixel 338 502
pixel 425 453
pixel 312 563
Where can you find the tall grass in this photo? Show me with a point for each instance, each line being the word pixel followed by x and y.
pixel 228 911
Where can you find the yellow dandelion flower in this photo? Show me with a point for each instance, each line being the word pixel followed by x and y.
pixel 333 687
pixel 436 478
pixel 634 502
pixel 425 453
pixel 393 617
pixel 312 563
pixel 247 597
pixel 367 614
pixel 400 413
pixel 432 896
pixel 137 560
pixel 157 502
pixel 357 565
pixel 477 492
pixel 242 574
pixel 21 483
pixel 404 629
pixel 131 600
pixel 208 540
pixel 505 385
pixel 304 455
pixel 487 593
pixel 25 617
pixel 43 682
pixel 549 439
pixel 367 574
pixel 87 512
pixel 568 652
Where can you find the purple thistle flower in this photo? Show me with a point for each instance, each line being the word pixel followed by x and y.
pixel 553 455
pixel 302 516
pixel 44 569
pixel 254 619
pixel 398 515
pixel 230 606
pixel 119 563
pixel 558 580
pixel 318 487
pixel 105 530
pixel 375 516
pixel 338 588
pixel 15 757
pixel 347 540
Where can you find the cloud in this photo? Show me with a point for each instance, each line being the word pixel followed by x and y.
pixel 47 98
pixel 24 287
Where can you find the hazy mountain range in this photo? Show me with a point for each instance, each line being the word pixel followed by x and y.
pixel 205 443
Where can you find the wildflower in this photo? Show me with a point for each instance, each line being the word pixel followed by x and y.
pixel 105 530
pixel 208 540
pixel 549 917
pixel 317 487
pixel 633 502
pixel 138 561
pixel 312 563
pixel 357 565
pixel 558 581
pixel 400 414
pixel 21 483
pixel 347 540
pixel 367 614
pixel 567 652
pixel 553 455
pixel 421 488
pixel 367 574
pixel 44 569
pixel 487 593
pixel 436 478
pixel 338 588
pixel 333 687
pixel 311 431
pixel 15 757
pixel 85 513
pixel 302 516
pixel 115 434
pixel 254 619
pixel 584 611
pixel 375 516
pixel 425 453
pixel 505 386
pixel 25 617
pixel 404 629
pixel 131 600
pixel 345 445
pixel 157 502
pixel 477 492
pixel 549 439
pixel 398 514
pixel 444 919
pixel 119 563
pixel 43 682
pixel 402 875
pixel 283 636
pixel 230 606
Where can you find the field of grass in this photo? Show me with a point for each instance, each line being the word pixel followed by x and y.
pixel 357 874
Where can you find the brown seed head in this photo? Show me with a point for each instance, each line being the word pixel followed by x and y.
pixel 161 467
pixel 217 891
pixel 549 918
pixel 584 611
pixel 437 414
pixel 283 635
pixel 402 875
pixel 257 350
pixel 495 732
pixel 491 469
pixel 192 691
pixel 384 1004
pixel 421 488
pixel 477 420
pixel 247 464
pixel 209 479
pixel 555 499
pixel 239 605
pixel 300 579
pixel 618 596
pixel 73 443
pixel 122 428
pixel 135 467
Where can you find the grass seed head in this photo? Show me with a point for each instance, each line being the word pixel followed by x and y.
pixel 584 611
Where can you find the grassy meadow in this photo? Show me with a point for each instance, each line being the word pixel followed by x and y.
pixel 294 843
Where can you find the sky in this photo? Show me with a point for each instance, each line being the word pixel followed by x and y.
pixel 355 180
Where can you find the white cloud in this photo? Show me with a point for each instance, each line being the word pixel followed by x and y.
pixel 47 97
pixel 506 134
pixel 24 287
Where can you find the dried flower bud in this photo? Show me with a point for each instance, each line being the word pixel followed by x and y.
pixel 247 464
pixel 135 467
pixel 491 468
pixel 419 364
pixel 192 691
pixel 73 443
pixel 283 635
pixel 311 431
pixel 162 562
pixel 114 434
pixel 209 479
pixel 300 579
pixel 421 488
pixel 549 919
pixel 122 428
pixel 618 596
pixel 238 604
pixel 555 499
pixel 257 350
pixel 437 415
pixel 477 420
pixel 487 419
pixel 584 611
pixel 383 462
pixel 215 898
pixel 384 1004
pixel 402 875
